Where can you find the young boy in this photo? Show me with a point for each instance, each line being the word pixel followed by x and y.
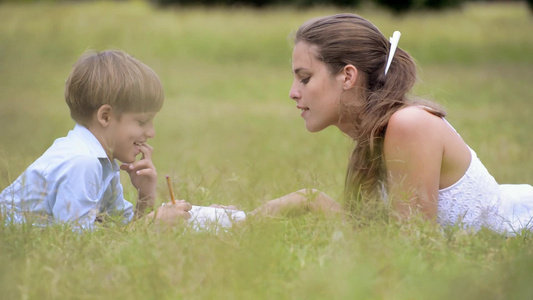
pixel 113 98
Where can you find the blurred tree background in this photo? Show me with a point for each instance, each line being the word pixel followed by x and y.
pixel 396 6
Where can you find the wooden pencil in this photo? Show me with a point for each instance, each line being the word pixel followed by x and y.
pixel 170 190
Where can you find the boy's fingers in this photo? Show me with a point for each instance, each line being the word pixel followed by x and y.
pixel 146 172
pixel 187 215
pixel 140 165
pixel 186 205
pixel 170 214
pixel 146 151
pixel 180 204
pixel 145 163
pixel 125 167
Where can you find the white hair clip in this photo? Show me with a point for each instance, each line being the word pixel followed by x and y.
pixel 393 45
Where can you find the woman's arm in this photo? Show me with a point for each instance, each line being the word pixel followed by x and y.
pixel 299 202
pixel 413 150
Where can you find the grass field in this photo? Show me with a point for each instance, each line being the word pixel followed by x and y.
pixel 228 133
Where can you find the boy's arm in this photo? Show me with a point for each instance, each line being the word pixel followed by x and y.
pixel 302 201
pixel 143 176
pixel 78 187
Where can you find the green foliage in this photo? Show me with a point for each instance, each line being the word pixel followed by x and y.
pixel 260 3
pixel 440 4
pixel 402 6
pixel 229 134
pixel 397 6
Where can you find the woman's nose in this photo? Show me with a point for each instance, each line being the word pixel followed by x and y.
pixel 294 94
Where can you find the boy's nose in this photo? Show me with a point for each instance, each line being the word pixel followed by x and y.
pixel 150 132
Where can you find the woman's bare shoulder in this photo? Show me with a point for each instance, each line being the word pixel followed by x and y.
pixel 414 119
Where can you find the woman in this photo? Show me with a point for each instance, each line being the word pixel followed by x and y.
pixel 347 74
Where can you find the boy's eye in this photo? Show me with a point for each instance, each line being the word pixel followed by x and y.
pixel 142 122
pixel 305 80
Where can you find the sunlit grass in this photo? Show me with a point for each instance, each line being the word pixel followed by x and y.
pixel 228 133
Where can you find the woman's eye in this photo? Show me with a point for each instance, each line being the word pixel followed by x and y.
pixel 305 80
pixel 142 123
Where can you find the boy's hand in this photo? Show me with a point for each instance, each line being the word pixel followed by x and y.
pixel 171 214
pixel 143 176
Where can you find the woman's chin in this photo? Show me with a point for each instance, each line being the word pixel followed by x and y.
pixel 313 127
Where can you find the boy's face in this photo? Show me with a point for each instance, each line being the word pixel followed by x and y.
pixel 126 133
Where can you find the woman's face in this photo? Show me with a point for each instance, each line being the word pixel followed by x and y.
pixel 316 91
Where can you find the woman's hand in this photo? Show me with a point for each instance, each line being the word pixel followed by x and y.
pixel 299 202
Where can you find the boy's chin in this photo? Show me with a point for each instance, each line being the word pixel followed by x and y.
pixel 126 160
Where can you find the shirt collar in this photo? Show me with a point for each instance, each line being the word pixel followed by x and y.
pixel 92 143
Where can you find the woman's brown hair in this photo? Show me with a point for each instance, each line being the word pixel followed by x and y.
pixel 348 39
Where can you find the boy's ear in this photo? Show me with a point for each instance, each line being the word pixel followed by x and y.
pixel 349 73
pixel 103 115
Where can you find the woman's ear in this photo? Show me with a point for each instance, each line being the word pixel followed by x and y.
pixel 103 115
pixel 349 73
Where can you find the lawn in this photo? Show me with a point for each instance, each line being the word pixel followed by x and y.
pixel 228 133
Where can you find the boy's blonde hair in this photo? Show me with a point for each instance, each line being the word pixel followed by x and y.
pixel 111 77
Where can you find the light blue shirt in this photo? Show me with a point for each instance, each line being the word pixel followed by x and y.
pixel 73 181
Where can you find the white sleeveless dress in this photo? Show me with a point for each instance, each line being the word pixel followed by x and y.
pixel 477 201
